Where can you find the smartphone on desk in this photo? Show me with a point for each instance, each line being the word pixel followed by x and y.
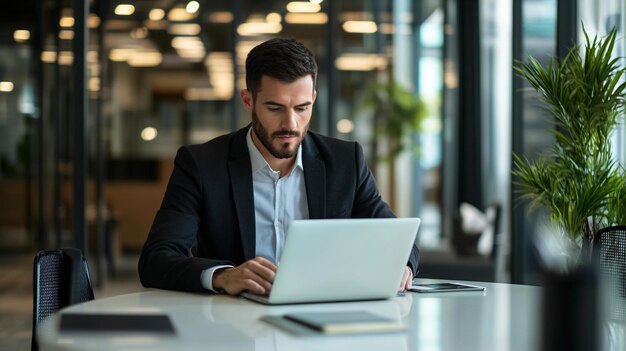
pixel 444 287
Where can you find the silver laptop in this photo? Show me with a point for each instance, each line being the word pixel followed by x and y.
pixel 341 260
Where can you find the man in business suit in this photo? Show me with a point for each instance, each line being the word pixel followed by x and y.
pixel 236 194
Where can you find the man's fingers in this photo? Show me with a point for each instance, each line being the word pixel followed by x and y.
pixel 255 287
pixel 406 279
pixel 264 262
pixel 263 267
pixel 408 283
pixel 254 276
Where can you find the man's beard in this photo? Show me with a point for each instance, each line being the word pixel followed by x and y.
pixel 266 139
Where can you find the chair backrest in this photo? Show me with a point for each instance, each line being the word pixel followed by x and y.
pixel 610 253
pixel 485 242
pixel 60 278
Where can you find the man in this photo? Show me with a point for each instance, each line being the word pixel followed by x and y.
pixel 236 194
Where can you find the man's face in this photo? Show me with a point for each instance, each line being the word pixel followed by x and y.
pixel 281 114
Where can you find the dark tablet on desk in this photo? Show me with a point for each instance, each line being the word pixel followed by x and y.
pixel 444 287
pixel 133 323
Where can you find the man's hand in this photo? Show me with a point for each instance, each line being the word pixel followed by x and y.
pixel 255 275
pixel 407 279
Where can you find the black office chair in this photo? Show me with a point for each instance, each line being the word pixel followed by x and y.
pixel 610 253
pixel 60 278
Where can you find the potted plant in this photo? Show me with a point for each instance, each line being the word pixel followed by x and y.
pixel 578 180
pixel 398 113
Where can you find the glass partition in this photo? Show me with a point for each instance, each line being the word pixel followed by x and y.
pixel 534 35
pixel 163 75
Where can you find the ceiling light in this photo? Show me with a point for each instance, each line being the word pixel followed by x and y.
pixel 94 84
pixel 149 133
pixel 93 21
pixel 192 6
pixel 66 22
pixel 187 43
pixel 256 28
pixel 184 29
pixel 136 57
pixel 450 75
pixel 360 62
pixel 360 27
pixel 345 126
pixel 316 1
pixel 306 18
pixel 273 17
pixel 66 58
pixel 221 17
pixel 124 10
pixel 179 14
pixel 121 54
pixel 48 56
pixel 21 35
pixel 6 86
pixel 303 6
pixel 156 14
pixel 145 59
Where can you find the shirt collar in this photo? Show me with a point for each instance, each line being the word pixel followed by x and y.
pixel 258 162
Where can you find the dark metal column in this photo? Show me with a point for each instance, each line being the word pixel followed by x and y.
pixel 42 226
pixel 234 101
pixel 418 172
pixel 519 239
pixel 468 113
pixel 566 26
pixel 449 108
pixel 57 114
pixel 103 240
pixel 331 41
pixel 80 113
pixel 566 29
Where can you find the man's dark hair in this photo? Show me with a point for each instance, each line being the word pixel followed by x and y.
pixel 284 59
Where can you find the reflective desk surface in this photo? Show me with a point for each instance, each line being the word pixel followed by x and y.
pixel 504 317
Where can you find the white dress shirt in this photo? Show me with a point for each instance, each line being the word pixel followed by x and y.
pixel 277 201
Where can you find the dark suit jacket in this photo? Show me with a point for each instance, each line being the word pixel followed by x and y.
pixel 209 198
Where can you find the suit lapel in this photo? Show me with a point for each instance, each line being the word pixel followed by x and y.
pixel 314 178
pixel 241 181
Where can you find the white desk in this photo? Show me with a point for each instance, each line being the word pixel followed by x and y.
pixel 505 317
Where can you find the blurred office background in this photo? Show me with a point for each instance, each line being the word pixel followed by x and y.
pixel 96 97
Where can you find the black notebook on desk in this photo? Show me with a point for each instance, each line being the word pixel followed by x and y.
pixel 444 287
pixel 133 323
pixel 345 322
